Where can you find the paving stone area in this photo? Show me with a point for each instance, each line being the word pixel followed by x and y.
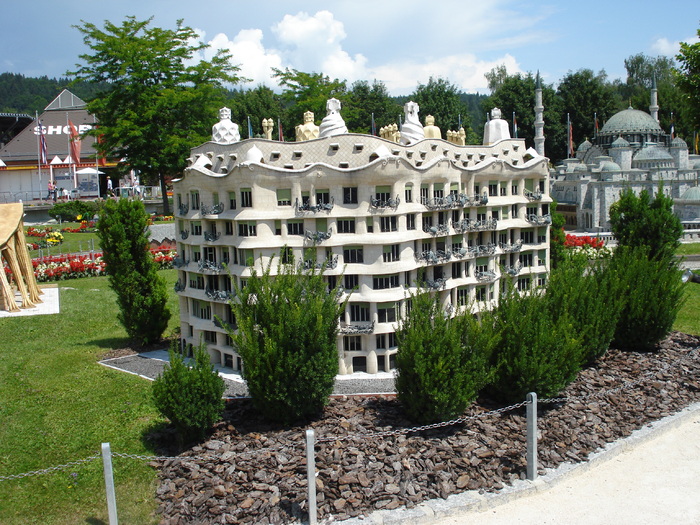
pixel 252 472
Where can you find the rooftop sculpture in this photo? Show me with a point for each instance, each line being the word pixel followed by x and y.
pixel 225 131
pixel 332 124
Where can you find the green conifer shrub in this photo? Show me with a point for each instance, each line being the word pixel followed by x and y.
pixel 652 291
pixel 537 350
pixel 133 275
pixel 286 337
pixel 442 362
pixel 190 397
pixel 71 210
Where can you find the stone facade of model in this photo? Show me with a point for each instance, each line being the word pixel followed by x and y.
pixel 383 216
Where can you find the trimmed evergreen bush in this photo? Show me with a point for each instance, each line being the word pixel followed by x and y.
pixel 286 336
pixel 652 291
pixel 190 397
pixel 442 362
pixel 589 293
pixel 537 350
pixel 71 210
pixel 133 275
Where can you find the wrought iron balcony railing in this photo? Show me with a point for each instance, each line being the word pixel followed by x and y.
pixel 468 225
pixel 513 270
pixel 434 257
pixel 511 247
pixel 179 262
pixel 210 266
pixel 179 286
pixel 486 276
pixel 438 229
pixel 453 200
pixel 463 252
pixel 209 236
pixel 356 328
pixel 184 234
pixel 211 210
pixel 184 209
pixel 317 236
pixel 220 295
pixel 533 195
pixel 483 249
pixel 435 284
pixel 539 220
pixel 328 264
pixel 321 206
pixel 388 203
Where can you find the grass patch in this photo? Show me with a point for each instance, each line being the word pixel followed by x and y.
pixel 687 320
pixel 692 248
pixel 57 405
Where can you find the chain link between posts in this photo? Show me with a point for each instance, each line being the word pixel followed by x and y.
pixel 50 469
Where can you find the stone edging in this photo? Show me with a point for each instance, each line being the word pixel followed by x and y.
pixel 473 501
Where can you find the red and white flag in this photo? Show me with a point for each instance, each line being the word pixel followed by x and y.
pixel 43 150
pixel 75 143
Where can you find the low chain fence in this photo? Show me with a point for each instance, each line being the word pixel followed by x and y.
pixel 311 440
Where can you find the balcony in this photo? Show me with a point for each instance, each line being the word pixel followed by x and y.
pixel 210 266
pixel 317 236
pixel 539 220
pixel 184 209
pixel 223 324
pixel 179 286
pixel 220 295
pixel 486 276
pixel 511 247
pixel 468 225
pixel 434 257
pixel 353 329
pixel 328 264
pixel 453 200
pixel 388 203
pixel 533 195
pixel 513 270
pixel 212 210
pixel 184 234
pixel 438 229
pixel 436 284
pixel 307 207
pixel 179 262
pixel 483 249
pixel 463 252
pixel 211 237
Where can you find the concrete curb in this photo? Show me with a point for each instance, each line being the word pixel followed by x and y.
pixel 474 501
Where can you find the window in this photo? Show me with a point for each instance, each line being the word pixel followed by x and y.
pixel 524 283
pixel 229 227
pixel 323 197
pixel 209 336
pixel 353 254
pixel 541 258
pixel 381 341
pixel 370 224
pixel 392 253
pixel 359 312
pixel 247 229
pixel 346 225
pixel 381 282
pixel 232 200
pixel 201 309
pixel 196 281
pixel 350 195
pixel 503 191
pixel 196 254
pixel 392 340
pixel 494 214
pixel 278 227
pixel 352 343
pixel 424 193
pixel 305 198
pixel 359 364
pixel 427 222
pixel 386 312
pixel 194 198
pixel 463 296
pixel 388 224
pixel 456 270
pixel 215 199
pixel 528 236
pixel 295 227
pixel 493 189
pixel 196 228
pixel 210 254
pixel 286 255
pixel 514 211
pixel 246 258
pixel 514 189
pixel 284 197
pixel 454 188
pixel 480 293
pixel 526 259
pixel 438 190
pixel 246 198
pixel 542 279
pixel 382 193
pixel 408 193
pixel 350 282
pixel 411 221
pixel 532 210
pixel 481 215
pixel 455 215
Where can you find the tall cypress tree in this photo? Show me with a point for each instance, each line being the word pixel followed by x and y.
pixel 133 275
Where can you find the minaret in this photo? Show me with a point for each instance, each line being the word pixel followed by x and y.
pixel 654 103
pixel 539 118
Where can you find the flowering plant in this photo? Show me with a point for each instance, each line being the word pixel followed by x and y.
pixel 160 218
pixel 591 247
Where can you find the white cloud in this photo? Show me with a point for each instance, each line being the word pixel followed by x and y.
pixel 663 46
pixel 249 53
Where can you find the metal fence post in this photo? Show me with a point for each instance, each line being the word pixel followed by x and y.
pixel 531 453
pixel 311 474
pixel 109 484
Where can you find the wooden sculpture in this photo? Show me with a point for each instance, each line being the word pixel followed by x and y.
pixel 13 251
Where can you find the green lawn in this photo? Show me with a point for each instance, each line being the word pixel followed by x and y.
pixel 57 405
pixel 689 249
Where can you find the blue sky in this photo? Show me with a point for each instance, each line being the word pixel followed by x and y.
pixel 400 43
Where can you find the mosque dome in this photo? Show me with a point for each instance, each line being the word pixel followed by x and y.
pixel 630 121
pixel 619 142
pixel 652 152
pixel 609 165
pixel 584 146
pixel 679 143
pixel 691 194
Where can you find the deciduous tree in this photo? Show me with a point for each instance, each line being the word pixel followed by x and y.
pixel 688 78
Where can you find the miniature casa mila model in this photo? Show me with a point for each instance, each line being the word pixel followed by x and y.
pixel 631 151
pixel 380 216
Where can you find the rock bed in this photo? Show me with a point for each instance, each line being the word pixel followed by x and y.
pixel 252 472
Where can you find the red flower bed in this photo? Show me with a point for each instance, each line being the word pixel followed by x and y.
pixel 576 241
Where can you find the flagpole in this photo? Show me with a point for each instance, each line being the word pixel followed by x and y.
pixel 38 153
pixel 568 135
pixel 97 157
pixel 595 124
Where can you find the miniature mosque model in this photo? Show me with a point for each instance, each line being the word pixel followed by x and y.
pixel 379 215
